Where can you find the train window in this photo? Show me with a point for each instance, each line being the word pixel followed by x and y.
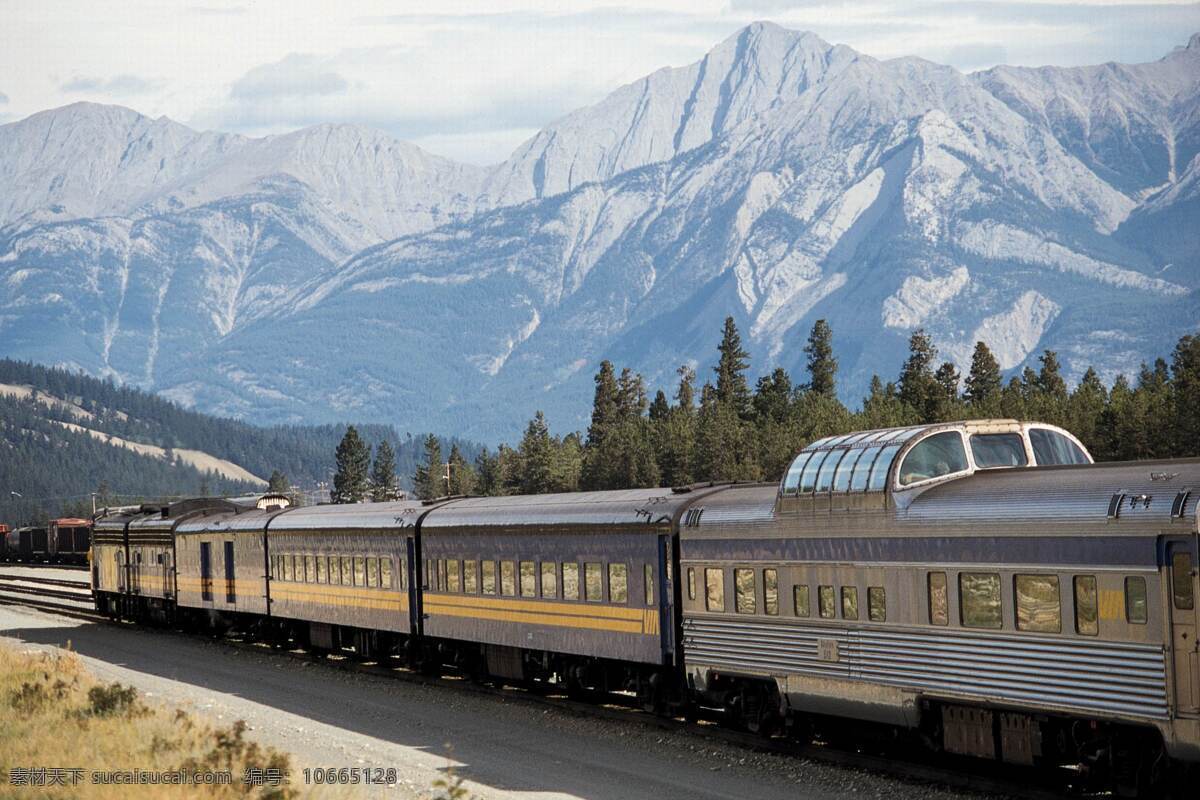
pixel 850 602
pixel 1039 607
pixel 876 604
pixel 528 579
pixel 879 471
pixel 1087 618
pixel 441 575
pixel 691 583
pixel 1051 447
pixel 618 583
pixel 979 599
pixel 792 480
pixel 453 575
pixel 826 602
pixel 743 585
pixel 310 569
pixel 570 581
pixel 347 574
pixel 373 571
pixel 471 576
pixel 648 583
pixel 286 573
pixel 800 601
pixel 1135 600
pixel 322 565
pixel 1181 581
pixel 771 592
pixel 488 571
pixel 549 579
pixel 360 571
pixel 808 479
pixel 385 573
pixel 939 599
pixel 998 450
pixel 862 469
pixel 403 573
pixel 593 582
pixel 825 476
pixel 939 455
pixel 508 577
pixel 714 589
pixel 841 481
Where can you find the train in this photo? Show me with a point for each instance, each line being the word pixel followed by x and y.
pixel 61 541
pixel 981 588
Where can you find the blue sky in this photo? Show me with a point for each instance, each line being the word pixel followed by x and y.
pixel 471 80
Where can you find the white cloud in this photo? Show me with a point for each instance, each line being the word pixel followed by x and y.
pixel 117 86
pixel 475 76
pixel 297 75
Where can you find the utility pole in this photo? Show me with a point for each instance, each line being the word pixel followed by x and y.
pixel 446 477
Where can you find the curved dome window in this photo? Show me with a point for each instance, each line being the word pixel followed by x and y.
pixel 939 455
pixel 1051 447
pixel 998 450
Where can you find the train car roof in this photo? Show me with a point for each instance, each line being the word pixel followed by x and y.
pixel 608 508
pixel 1148 491
pixel 227 521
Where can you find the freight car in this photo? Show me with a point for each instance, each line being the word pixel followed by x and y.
pixel 922 579
pixel 68 540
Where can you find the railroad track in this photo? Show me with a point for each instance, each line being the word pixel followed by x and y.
pixel 44 565
pixel 963 773
pixel 48 594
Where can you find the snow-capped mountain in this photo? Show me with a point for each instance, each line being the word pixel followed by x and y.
pixel 335 273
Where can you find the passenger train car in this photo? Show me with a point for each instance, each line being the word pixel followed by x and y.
pixel 980 584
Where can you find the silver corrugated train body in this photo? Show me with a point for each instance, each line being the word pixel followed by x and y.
pixel 982 583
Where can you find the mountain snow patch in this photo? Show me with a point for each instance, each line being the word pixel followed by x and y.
pixel 1000 242
pixel 1012 335
pixel 919 297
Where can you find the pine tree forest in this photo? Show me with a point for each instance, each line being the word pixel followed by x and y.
pixel 723 430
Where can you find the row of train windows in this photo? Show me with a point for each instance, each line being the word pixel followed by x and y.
pixel 746 597
pixel 537 579
pixel 368 571
pixel 1037 599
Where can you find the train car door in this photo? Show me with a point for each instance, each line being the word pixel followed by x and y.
pixel 1185 616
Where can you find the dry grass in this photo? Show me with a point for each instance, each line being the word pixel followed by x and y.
pixel 54 714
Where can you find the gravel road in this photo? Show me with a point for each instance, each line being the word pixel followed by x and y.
pixel 504 747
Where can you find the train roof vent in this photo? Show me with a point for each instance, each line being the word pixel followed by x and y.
pixel 1180 504
pixel 1114 505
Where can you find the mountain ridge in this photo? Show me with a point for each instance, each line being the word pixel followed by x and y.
pixel 778 179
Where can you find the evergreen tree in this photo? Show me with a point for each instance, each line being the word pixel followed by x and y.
pixel 1085 409
pixel 278 483
pixel 918 389
pixel 429 478
pixel 773 397
pixel 983 384
pixel 537 458
pixel 1185 388
pixel 1049 380
pixel 685 394
pixel 383 474
pixel 660 408
pixel 724 441
pixel 631 395
pixel 882 407
pixel 732 388
pixel 822 366
pixel 462 476
pixel 488 481
pixel 947 406
pixel 353 459
pixel 604 403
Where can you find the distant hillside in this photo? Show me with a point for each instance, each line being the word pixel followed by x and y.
pixel 65 435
